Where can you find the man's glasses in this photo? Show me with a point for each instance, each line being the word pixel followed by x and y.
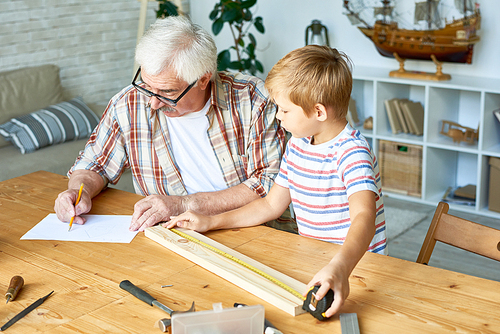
pixel 163 99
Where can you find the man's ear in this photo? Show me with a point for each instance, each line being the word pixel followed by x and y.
pixel 204 80
pixel 320 112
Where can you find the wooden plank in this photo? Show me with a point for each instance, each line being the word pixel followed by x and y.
pixel 232 271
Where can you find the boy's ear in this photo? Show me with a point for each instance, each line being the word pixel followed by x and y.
pixel 320 112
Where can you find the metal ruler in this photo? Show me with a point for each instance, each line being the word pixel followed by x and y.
pixel 240 262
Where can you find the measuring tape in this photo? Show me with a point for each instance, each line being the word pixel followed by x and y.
pixel 240 262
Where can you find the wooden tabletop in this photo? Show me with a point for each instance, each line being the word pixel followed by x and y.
pixel 389 295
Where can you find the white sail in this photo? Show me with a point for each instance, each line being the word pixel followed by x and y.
pixel 427 11
pixel 385 11
pixel 353 19
pixel 459 4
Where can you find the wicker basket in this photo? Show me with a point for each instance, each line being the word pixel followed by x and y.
pixel 401 168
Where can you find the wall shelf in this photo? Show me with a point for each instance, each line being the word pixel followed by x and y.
pixel 469 101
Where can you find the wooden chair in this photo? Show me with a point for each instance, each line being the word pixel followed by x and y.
pixel 461 233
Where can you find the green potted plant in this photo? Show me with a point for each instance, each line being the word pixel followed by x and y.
pixel 237 14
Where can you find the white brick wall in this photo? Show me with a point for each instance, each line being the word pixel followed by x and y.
pixel 92 41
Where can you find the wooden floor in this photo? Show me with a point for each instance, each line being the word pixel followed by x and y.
pixel 407 245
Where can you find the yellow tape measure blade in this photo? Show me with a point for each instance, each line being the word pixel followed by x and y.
pixel 240 262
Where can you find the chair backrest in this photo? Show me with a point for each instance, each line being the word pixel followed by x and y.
pixel 461 233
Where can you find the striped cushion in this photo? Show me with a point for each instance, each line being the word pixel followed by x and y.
pixel 52 125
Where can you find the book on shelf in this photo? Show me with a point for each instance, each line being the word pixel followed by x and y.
pixel 400 114
pixel 497 114
pixel 450 196
pixel 352 114
pixel 468 191
pixel 391 115
pixel 414 112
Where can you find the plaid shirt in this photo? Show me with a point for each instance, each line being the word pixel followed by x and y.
pixel 247 141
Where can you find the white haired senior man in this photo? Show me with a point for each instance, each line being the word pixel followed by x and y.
pixel 193 138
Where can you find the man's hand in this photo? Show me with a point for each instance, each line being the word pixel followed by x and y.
pixel 65 206
pixel 154 209
pixel 65 202
pixel 193 221
pixel 332 276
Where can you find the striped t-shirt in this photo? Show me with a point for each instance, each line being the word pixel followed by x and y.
pixel 321 178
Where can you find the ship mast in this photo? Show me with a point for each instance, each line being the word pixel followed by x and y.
pixel 386 10
pixel 429 20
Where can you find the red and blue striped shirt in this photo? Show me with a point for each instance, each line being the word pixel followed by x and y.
pixel 321 178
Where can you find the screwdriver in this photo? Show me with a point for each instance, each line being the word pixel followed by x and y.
pixel 16 283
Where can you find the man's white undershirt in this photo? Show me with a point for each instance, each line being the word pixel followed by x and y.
pixel 193 152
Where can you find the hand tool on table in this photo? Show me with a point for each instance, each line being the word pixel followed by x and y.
pixel 27 310
pixel 269 328
pixel 76 203
pixel 349 323
pixel 147 298
pixel 16 283
pixel 318 307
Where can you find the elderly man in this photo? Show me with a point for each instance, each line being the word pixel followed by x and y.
pixel 193 138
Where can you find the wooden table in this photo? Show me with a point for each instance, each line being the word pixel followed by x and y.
pixel 389 295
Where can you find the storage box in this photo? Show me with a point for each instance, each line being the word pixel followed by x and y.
pixel 494 188
pixel 240 320
pixel 400 168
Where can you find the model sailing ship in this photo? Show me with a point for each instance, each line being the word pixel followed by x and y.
pixel 453 42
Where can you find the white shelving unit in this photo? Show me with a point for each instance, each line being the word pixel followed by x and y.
pixel 469 101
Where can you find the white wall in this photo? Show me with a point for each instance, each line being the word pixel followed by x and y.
pixel 286 20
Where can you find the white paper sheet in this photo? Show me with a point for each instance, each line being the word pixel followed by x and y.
pixel 98 228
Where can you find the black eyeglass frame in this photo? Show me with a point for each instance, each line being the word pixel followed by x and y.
pixel 163 99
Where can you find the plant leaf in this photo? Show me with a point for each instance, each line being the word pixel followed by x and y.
pixel 235 65
pixel 166 8
pixel 223 60
pixel 258 25
pixel 252 39
pixel 213 14
pixel 258 66
pixel 251 50
pixel 248 3
pixel 247 63
pixel 247 15
pixel 217 26
pixel 230 15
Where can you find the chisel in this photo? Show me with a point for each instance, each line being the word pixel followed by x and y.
pixel 16 283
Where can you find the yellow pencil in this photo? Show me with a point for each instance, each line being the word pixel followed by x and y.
pixel 76 203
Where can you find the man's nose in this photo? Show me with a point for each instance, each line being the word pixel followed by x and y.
pixel 155 102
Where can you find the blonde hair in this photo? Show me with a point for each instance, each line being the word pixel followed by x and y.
pixel 313 74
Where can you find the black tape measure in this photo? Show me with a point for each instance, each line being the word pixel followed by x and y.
pixel 317 307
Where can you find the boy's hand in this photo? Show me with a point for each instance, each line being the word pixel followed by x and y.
pixel 191 220
pixel 334 277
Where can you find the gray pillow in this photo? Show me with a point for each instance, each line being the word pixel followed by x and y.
pixel 28 89
pixel 65 121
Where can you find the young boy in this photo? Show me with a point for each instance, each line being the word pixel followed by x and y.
pixel 328 172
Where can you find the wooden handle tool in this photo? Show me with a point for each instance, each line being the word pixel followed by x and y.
pixel 16 283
